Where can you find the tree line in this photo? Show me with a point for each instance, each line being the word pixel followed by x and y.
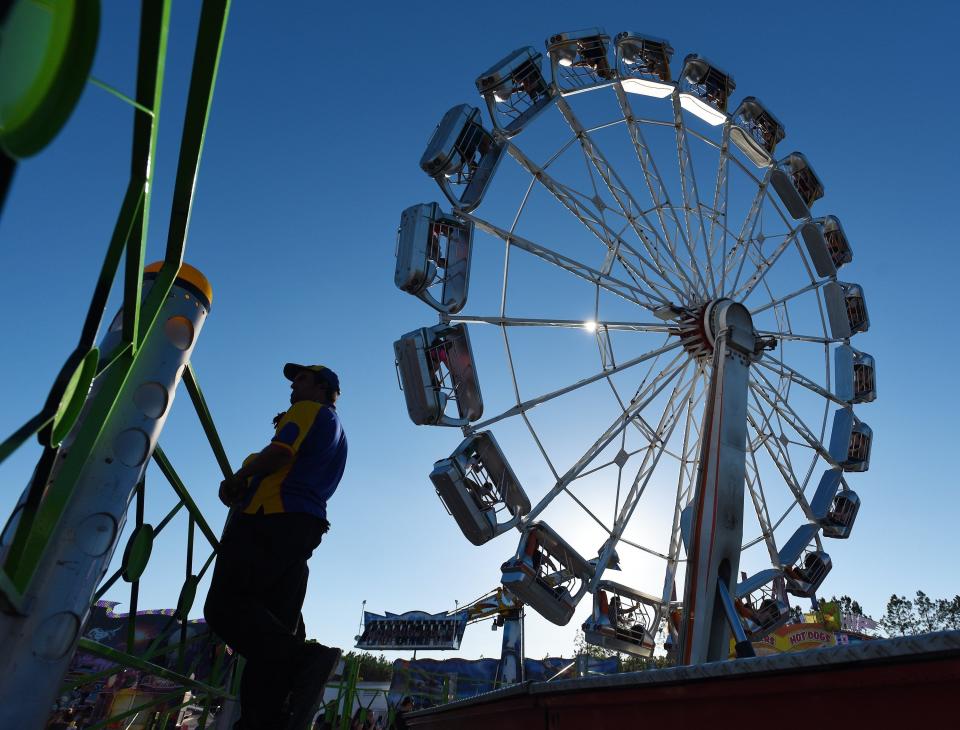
pixel 904 616
pixel 920 615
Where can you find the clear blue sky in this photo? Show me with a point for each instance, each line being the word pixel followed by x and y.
pixel 319 119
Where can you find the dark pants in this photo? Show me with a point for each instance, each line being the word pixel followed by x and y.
pixel 259 583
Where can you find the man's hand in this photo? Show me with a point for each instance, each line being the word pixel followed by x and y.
pixel 231 490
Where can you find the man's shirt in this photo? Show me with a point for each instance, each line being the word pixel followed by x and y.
pixel 313 434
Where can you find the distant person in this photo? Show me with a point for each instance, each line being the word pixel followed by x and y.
pixel 260 578
pixel 403 709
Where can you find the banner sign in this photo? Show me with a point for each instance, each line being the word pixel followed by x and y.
pixel 860 624
pixel 834 619
pixel 793 637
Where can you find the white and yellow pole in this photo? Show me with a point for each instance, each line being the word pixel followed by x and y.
pixel 39 642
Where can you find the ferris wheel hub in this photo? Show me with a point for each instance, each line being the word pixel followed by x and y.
pixel 698 328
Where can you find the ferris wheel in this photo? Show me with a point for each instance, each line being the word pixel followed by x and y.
pixel 671 336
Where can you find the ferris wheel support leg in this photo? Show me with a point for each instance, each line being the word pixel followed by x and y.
pixel 716 527
pixel 742 645
pixel 102 461
pixel 510 668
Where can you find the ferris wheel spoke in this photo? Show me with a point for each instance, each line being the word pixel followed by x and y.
pixel 718 212
pixel 736 257
pixel 595 164
pixel 685 479
pixel 638 421
pixel 752 252
pixel 606 125
pixel 724 227
pixel 668 422
pixel 650 433
pixel 789 416
pixel 769 387
pixel 658 440
pixel 651 175
pixel 506 261
pixel 643 548
pixel 559 323
pixel 523 407
pixel 755 487
pixel 600 467
pixel 780 459
pixel 691 444
pixel 767 418
pixel 650 370
pixel 642 297
pixel 653 389
pixel 785 415
pixel 657 190
pixel 684 457
pixel 540 447
pixel 787 297
pixel 628 205
pixel 516 391
pixel 786 513
pixel 792 337
pixel 764 265
pixel 581 207
pixel 759 497
pixel 786 472
pixel 691 198
pixel 623 449
pixel 588 511
pixel 741 166
pixel 779 367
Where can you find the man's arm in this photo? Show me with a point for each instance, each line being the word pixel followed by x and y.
pixel 271 459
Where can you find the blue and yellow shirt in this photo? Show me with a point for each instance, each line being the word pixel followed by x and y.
pixel 313 434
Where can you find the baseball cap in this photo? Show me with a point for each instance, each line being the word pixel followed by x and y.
pixel 323 373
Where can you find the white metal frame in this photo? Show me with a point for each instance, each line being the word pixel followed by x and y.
pixel 672 248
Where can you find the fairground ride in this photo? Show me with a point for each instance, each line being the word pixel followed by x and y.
pixel 608 200
pixel 415 630
pixel 100 424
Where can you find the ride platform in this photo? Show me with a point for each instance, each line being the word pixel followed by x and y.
pixel 910 680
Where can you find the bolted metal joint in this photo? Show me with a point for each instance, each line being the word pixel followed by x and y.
pixel 764 344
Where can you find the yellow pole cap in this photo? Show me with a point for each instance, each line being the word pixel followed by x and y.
pixel 188 274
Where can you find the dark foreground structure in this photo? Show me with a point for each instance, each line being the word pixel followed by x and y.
pixel 872 684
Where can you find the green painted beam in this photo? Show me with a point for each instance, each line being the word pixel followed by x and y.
pixel 155 14
pixel 206 420
pixel 206 61
pixel 135 662
pixel 178 486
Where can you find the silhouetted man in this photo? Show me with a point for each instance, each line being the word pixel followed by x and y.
pixel 260 577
